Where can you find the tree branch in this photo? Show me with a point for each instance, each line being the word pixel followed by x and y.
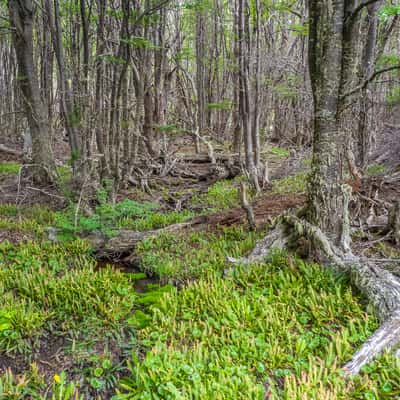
pixel 150 11
pixel 360 7
pixel 369 79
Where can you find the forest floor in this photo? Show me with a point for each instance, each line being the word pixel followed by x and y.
pixel 168 325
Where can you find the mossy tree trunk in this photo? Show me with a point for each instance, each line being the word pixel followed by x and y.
pixel 323 229
pixel 327 196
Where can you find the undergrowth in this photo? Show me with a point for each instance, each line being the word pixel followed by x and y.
pixel 292 184
pixel 109 218
pixel 52 292
pixel 280 329
pixel 48 287
pixel 280 152
pixel 180 257
pixel 9 168
pixel 223 195
pixel 376 170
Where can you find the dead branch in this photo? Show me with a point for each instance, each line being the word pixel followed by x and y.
pixel 8 150
pixel 210 148
pixel 247 207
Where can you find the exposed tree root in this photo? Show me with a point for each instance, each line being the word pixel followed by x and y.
pixel 381 287
pixel 386 337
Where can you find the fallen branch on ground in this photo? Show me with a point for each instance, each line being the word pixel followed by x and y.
pixel 124 241
pixel 8 150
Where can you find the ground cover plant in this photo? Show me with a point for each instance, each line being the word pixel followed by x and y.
pixel 9 168
pixel 199 200
pixel 281 328
pixel 54 301
pixel 109 218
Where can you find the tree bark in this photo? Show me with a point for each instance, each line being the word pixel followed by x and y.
pixel 323 231
pixel 245 94
pixel 328 198
pixel 66 98
pixel 21 18
pixel 200 74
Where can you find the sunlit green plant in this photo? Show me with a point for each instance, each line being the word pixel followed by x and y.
pixel 376 169
pixel 279 151
pixel 9 168
pixel 293 184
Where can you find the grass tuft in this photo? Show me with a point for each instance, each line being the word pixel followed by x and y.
pixel 293 184
pixel 284 325
pixel 9 168
pixel 223 195
pixel 376 170
pixel 279 151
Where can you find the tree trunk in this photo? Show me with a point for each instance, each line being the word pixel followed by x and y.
pixel 200 75
pixel 328 197
pixel 245 92
pixel 323 232
pixel 328 200
pixel 21 18
pixel 99 92
pixel 363 139
pixel 66 98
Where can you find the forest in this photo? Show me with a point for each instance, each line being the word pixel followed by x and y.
pixel 199 199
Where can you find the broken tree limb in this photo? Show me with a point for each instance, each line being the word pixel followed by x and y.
pixel 210 148
pixel 265 181
pixel 124 241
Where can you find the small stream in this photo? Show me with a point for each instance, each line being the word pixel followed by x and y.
pixel 142 283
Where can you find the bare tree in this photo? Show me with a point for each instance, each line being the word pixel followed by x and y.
pixel 21 18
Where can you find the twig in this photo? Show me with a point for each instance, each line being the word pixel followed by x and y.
pixel 369 79
pixel 247 207
pixel 45 192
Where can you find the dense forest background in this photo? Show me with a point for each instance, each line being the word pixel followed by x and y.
pixel 199 199
pixel 120 81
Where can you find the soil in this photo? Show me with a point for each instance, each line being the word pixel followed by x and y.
pixel 54 355
pixel 265 209
pixel 15 237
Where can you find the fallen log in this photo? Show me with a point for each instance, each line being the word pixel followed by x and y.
pixel 8 150
pixel 205 158
pixel 197 168
pixel 124 241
